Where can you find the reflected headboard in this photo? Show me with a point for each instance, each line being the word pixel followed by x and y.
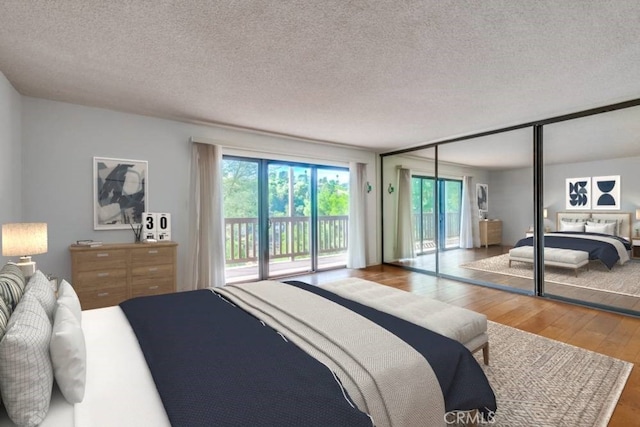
pixel 624 219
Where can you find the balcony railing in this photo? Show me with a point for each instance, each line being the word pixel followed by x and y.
pixel 452 230
pixel 289 237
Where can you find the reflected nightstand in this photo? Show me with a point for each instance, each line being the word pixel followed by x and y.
pixel 635 248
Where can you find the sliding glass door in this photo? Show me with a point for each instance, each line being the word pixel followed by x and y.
pixel 333 216
pixel 449 210
pixel 241 200
pixel 425 220
pixel 423 203
pixel 283 218
pixel 289 219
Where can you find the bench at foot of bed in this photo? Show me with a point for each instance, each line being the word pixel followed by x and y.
pixel 465 326
pixel 565 258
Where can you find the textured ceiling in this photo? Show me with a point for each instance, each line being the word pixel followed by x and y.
pixel 376 74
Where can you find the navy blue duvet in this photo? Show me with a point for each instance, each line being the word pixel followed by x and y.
pixel 598 250
pixel 216 365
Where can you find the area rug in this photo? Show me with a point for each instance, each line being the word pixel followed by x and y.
pixel 622 279
pixel 543 382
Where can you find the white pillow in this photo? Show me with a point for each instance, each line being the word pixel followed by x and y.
pixel 611 222
pixel 40 287
pixel 68 297
pixel 566 226
pixel 26 375
pixel 599 228
pixel 68 355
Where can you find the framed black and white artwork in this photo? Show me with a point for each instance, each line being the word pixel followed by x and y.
pixel 606 192
pixel 482 195
pixel 120 192
pixel 578 193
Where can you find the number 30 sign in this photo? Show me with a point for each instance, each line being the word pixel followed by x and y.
pixel 157 226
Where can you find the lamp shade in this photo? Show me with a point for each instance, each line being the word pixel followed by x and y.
pixel 22 239
pixel 638 214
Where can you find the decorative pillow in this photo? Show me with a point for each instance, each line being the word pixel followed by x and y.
pixel 573 220
pixel 68 355
pixel 40 287
pixel 68 297
pixel 597 228
pixel 565 226
pixel 617 223
pixel 12 284
pixel 5 314
pixel 26 375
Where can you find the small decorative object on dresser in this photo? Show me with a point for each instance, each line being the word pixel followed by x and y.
pixel 490 232
pixel 111 273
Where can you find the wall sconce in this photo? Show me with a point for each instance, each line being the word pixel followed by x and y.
pixel 638 214
pixel 545 213
pixel 24 240
pixel 390 189
pixel 369 187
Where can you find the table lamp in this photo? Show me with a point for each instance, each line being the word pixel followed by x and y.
pixel 23 240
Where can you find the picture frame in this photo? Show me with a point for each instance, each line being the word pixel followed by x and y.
pixel 482 197
pixel 606 192
pixel 120 192
pixel 578 193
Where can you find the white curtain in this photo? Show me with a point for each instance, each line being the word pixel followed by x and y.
pixel 356 251
pixel 206 259
pixel 469 230
pixel 405 247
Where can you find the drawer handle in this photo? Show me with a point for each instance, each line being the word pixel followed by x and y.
pixel 154 251
pixel 153 268
pixel 154 287
pixel 103 274
pixel 103 294
pixel 102 254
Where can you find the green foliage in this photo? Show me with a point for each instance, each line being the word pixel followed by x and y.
pixel 423 192
pixel 240 190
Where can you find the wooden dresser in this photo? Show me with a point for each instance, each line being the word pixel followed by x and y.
pixel 109 274
pixel 490 232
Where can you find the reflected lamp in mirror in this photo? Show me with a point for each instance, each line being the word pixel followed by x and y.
pixel 23 240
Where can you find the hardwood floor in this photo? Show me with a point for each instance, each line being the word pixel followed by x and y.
pixel 612 334
pixel 450 262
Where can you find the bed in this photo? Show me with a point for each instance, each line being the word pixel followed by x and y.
pixel 241 354
pixel 604 237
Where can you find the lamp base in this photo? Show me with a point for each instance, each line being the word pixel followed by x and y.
pixel 27 266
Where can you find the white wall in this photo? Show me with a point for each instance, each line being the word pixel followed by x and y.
pixel 10 154
pixel 511 200
pixel 511 192
pixel 59 141
pixel 555 181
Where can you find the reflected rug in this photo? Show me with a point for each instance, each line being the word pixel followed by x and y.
pixel 543 382
pixel 622 279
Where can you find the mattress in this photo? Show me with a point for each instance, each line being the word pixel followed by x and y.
pixel 119 389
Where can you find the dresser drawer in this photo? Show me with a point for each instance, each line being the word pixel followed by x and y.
pixel 104 278
pixel 102 297
pixel 151 271
pixel 152 287
pixel 100 259
pixel 151 255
